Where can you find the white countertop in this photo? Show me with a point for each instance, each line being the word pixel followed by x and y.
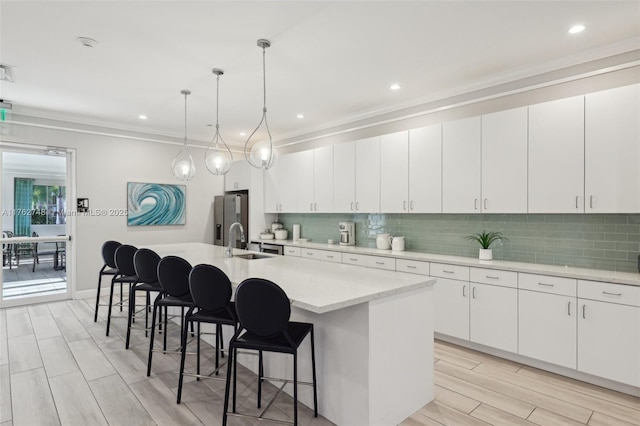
pixel 628 278
pixel 311 285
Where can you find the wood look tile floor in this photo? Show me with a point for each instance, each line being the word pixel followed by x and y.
pixel 57 367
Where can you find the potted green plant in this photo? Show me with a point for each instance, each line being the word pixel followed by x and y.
pixel 485 239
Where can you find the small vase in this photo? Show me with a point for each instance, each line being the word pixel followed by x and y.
pixel 485 254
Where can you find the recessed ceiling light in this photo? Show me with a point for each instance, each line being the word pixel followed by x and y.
pixel 142 117
pixel 577 29
pixel 394 86
pixel 300 115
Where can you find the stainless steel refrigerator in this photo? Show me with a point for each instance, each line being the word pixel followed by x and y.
pixel 229 208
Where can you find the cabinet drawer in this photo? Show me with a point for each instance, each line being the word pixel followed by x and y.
pixel 326 255
pixel 412 266
pixel 369 261
pixel 547 284
pixel 494 277
pixel 449 271
pixel 608 292
pixel 292 251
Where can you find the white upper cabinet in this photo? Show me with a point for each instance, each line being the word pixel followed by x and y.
pixel 304 182
pixel 425 169
pixel 367 175
pixel 394 173
pixel 612 151
pixel 461 166
pixel 556 156
pixel 344 177
pixel 504 161
pixel 323 179
pixel 280 191
pixel 238 177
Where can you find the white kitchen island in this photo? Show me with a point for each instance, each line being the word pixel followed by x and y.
pixel 373 331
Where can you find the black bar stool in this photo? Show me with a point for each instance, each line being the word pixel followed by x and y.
pixel 109 268
pixel 264 310
pixel 145 263
pixel 125 274
pixel 173 275
pixel 211 293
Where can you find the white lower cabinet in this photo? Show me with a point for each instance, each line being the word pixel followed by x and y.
pixel 609 331
pixel 452 308
pixel 493 316
pixel 547 327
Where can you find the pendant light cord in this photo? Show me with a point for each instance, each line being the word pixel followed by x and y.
pixel 264 80
pixel 217 101
pixel 185 119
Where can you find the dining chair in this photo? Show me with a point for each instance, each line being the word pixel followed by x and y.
pixel 108 268
pixel 125 274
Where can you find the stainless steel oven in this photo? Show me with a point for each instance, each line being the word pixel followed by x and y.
pixel 271 248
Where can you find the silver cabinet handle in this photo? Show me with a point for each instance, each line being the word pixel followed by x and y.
pixel 309 254
pixel 590 201
pixel 493 278
pixel 546 285
pixel 447 272
pixel 473 292
pixel 411 267
pixel 379 263
pixel 485 204
pixel 330 256
pixel 464 294
pixel 357 202
pixel 475 204
pixel 612 294
pixel 352 205
pixel 577 201
pixel 584 312
pixel 310 206
pixel 411 205
pixel 352 259
pixel 569 308
pixel 315 206
pixel 404 205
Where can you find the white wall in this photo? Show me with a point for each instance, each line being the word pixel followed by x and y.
pixel 104 165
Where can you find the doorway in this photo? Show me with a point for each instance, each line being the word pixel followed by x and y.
pixel 36 194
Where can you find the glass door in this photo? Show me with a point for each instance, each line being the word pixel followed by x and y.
pixel 36 193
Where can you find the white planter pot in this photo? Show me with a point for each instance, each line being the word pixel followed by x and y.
pixel 485 254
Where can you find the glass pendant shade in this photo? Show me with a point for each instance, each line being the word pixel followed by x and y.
pixel 183 167
pixel 218 159
pixel 261 155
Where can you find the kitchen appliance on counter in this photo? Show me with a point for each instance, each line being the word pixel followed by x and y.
pixel 271 248
pixel 229 208
pixel 347 233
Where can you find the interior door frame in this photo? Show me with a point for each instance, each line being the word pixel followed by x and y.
pixel 70 182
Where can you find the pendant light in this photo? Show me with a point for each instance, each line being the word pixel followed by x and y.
pixel 183 166
pixel 262 154
pixel 218 159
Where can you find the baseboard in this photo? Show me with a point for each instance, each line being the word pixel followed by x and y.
pixel 85 294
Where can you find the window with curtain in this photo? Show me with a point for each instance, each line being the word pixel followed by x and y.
pixel 22 202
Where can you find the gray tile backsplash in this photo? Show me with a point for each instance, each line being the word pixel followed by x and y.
pixel 605 241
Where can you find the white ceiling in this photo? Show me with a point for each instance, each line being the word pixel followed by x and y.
pixel 331 61
pixel 34 164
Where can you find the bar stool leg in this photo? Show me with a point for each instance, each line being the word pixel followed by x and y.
pixel 110 304
pixel 313 367
pixel 260 376
pixel 182 359
pixel 95 316
pixel 153 328
pixel 197 351
pixel 295 388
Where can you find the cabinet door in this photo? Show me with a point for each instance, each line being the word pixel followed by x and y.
pixel 344 177
pixel 547 327
pixel 304 181
pixel 323 179
pixel 394 173
pixel 425 169
pixel 286 177
pixel 556 156
pixel 238 177
pixel 452 308
pixel 368 175
pixel 609 341
pixel 461 166
pixel 494 316
pixel 271 201
pixel 612 151
pixel 504 161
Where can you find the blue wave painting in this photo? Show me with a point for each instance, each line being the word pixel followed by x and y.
pixel 155 204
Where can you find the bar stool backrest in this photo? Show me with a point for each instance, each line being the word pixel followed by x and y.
pixel 109 253
pixel 145 263
pixel 263 307
pixel 173 274
pixel 210 287
pixel 124 260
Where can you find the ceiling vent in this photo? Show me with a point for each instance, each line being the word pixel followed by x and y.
pixel 6 73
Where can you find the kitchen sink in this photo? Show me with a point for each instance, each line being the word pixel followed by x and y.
pixel 252 256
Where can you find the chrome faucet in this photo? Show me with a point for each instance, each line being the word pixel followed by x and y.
pixel 228 252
